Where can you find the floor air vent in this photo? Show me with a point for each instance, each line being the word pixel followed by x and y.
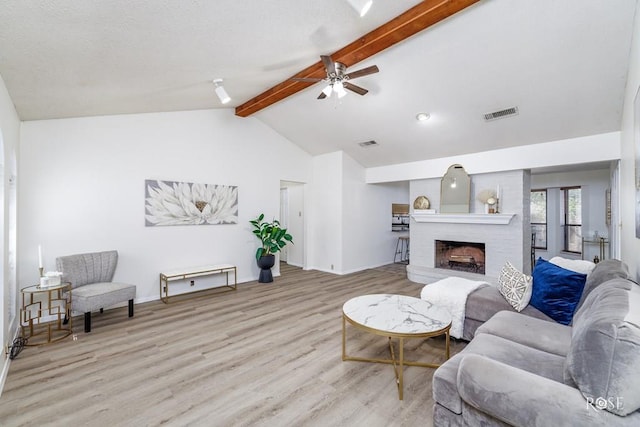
pixel 513 111
pixel 367 143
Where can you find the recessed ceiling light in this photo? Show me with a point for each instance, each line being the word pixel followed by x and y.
pixel 421 117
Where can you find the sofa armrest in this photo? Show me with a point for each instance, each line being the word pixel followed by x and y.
pixel 522 398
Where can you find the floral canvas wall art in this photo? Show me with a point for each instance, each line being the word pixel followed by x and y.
pixel 187 203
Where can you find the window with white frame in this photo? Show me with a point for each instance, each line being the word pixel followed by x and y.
pixel 539 218
pixel 572 207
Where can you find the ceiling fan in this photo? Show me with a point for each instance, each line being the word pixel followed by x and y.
pixel 338 79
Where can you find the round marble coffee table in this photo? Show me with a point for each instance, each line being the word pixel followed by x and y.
pixel 395 316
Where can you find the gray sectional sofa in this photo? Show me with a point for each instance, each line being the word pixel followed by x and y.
pixel 523 370
pixel 484 302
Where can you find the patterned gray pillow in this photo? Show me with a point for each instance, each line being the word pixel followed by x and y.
pixel 515 286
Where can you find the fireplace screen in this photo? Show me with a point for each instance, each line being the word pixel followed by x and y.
pixel 461 256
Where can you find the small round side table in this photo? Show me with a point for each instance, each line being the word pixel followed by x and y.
pixel 45 315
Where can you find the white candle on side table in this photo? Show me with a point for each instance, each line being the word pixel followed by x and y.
pixel 40 266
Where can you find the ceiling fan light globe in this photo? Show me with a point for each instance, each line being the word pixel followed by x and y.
pixel 339 89
pixel 328 90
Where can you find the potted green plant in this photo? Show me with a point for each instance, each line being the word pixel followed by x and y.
pixel 273 238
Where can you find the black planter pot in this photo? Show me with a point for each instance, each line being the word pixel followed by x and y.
pixel 265 263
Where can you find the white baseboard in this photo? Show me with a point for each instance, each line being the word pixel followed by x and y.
pixel 7 364
pixel 353 270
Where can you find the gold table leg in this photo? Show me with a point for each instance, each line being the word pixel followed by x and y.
pixel 447 340
pixel 397 364
pixel 400 383
pixel 344 339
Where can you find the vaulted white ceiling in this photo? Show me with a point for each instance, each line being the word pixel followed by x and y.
pixel 562 63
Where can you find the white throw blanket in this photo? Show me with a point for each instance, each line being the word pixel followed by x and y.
pixel 451 294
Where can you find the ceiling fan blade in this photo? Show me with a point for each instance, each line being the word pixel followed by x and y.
pixel 305 79
pixel 353 88
pixel 322 95
pixel 363 72
pixel 328 64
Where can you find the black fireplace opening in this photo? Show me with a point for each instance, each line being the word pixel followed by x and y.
pixel 460 256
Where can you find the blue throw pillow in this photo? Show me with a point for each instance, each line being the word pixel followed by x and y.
pixel 556 291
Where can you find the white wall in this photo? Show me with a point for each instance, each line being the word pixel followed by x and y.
pixel 368 239
pixel 630 245
pixel 83 189
pixel 593 185
pixel 574 151
pixel 350 220
pixel 324 215
pixel 9 139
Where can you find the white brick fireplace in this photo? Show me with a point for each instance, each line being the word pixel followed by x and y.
pixel 506 236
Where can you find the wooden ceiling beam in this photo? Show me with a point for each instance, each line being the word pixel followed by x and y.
pixel 414 20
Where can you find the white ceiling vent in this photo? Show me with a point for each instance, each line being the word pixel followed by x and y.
pixel 367 143
pixel 513 111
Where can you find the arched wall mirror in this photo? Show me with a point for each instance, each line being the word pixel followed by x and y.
pixel 455 190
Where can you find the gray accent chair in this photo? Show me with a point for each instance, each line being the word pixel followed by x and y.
pixel 90 276
pixel 520 370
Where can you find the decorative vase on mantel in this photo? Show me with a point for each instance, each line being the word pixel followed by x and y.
pixel 265 262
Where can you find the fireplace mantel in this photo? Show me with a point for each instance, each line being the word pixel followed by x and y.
pixel 496 219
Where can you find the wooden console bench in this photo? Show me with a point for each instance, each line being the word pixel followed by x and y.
pixel 188 273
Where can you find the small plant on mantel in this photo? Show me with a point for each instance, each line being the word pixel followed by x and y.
pixel 273 238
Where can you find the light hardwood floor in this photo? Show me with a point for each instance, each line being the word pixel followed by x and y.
pixel 266 354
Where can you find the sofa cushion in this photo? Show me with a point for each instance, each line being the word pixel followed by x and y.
pixel 540 334
pixel 604 271
pixel 485 302
pixel 556 290
pixel 515 286
pixel 587 305
pixel 577 265
pixel 92 297
pixel 523 398
pixel 445 389
pixel 604 357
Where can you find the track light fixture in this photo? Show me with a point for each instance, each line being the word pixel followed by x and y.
pixel 361 6
pixel 222 94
